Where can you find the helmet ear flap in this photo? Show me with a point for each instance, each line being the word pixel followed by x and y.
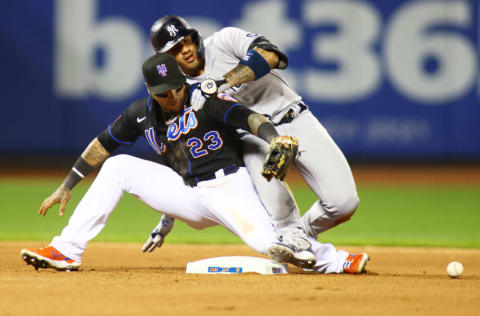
pixel 198 40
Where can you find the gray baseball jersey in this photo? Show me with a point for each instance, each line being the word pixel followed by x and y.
pixel 320 161
pixel 268 95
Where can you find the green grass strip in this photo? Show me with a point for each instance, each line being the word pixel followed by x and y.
pixel 432 216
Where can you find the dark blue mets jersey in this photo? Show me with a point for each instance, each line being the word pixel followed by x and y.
pixel 195 143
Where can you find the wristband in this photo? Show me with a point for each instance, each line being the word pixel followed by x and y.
pixel 81 167
pixel 256 63
pixel 79 170
pixel 267 131
pixel 72 180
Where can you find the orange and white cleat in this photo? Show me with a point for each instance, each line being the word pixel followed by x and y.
pixel 355 264
pixel 49 257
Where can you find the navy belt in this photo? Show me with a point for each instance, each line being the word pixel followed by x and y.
pixel 290 115
pixel 217 174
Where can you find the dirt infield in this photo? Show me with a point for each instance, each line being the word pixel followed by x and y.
pixel 117 279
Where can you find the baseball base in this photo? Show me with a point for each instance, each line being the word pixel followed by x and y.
pixel 236 265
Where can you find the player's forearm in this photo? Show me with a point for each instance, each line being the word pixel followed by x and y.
pixel 95 154
pixel 92 157
pixel 261 127
pixel 244 73
pixel 239 75
pixel 271 58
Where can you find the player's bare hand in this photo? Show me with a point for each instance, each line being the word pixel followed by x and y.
pixel 61 195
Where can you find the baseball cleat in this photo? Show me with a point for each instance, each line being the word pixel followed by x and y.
pixel 48 257
pixel 355 264
pixel 283 253
pixel 296 239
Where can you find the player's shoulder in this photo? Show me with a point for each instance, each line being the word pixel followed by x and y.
pixel 224 35
pixel 139 107
pixel 232 40
pixel 229 31
pixel 140 104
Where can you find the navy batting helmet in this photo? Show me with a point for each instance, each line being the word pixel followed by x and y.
pixel 169 30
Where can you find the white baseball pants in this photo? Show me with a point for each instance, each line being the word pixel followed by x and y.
pixel 230 201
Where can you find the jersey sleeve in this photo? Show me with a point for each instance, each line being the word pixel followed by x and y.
pixel 122 131
pixel 228 111
pixel 234 41
pixel 262 42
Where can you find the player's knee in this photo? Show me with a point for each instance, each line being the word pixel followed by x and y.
pixel 347 206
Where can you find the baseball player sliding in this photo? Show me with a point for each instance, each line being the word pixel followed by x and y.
pixel 243 65
pixel 203 182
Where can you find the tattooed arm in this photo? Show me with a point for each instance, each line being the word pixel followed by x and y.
pixel 260 126
pixel 95 154
pixel 92 157
pixel 244 72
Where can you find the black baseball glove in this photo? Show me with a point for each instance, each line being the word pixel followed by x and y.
pixel 282 152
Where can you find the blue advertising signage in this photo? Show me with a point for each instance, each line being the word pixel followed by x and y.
pixel 388 79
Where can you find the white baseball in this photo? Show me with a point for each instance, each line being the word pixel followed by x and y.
pixel 455 269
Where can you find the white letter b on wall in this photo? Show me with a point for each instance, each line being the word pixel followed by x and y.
pixel 78 35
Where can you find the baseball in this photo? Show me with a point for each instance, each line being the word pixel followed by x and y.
pixel 455 269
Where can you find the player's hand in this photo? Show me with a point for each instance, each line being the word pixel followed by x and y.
pixel 281 154
pixel 61 195
pixel 157 237
pixel 210 87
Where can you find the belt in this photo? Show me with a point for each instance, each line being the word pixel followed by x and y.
pixel 292 113
pixel 220 173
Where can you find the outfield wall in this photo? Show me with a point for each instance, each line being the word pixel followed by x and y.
pixel 389 79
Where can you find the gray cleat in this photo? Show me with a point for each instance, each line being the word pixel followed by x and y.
pixel 284 253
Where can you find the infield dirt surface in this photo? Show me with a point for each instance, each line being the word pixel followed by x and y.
pixel 117 279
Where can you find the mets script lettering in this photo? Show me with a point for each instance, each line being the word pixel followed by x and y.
pixel 186 122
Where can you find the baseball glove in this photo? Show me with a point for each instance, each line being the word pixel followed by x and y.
pixel 282 152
